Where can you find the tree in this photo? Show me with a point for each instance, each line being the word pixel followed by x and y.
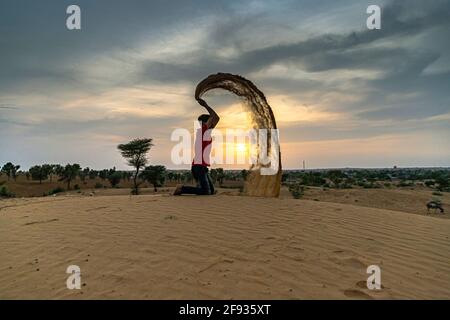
pixel 48 170
pixel 58 169
pixel 93 174
pixel 114 177
pixel 7 169
pixel 220 175
pixel 69 173
pixel 244 174
pixel 156 175
pixel 213 174
pixel 84 173
pixel 10 170
pixel 187 176
pixel 177 176
pixel 135 152
pixel 103 174
pixel 443 183
pixel 14 172
pixel 126 175
pixel 39 173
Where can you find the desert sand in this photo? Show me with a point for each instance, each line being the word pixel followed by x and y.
pixel 218 247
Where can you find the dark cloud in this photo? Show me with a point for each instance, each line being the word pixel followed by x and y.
pixel 35 43
pixel 397 74
pixel 325 52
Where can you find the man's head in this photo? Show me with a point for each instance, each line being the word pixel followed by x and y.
pixel 203 118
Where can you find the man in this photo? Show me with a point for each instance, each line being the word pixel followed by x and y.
pixel 201 160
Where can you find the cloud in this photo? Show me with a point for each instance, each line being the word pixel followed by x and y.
pixel 133 67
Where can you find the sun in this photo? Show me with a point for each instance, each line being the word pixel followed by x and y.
pixel 241 147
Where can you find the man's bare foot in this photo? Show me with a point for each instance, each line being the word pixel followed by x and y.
pixel 177 191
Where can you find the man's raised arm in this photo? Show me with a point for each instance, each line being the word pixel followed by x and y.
pixel 214 118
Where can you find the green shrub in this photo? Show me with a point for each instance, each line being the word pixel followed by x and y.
pixel 405 184
pixel 55 191
pixel 296 190
pixel 98 185
pixel 361 183
pixel 429 183
pixel 436 193
pixel 5 193
pixel 438 201
pixel 114 178
pixel 76 187
pixel 371 185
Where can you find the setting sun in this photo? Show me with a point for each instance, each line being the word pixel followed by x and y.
pixel 241 148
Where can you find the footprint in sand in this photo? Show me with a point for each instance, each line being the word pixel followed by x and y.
pixel 42 221
pixel 217 262
pixel 356 294
pixel 354 262
pixel 347 258
pixel 348 253
pixel 363 285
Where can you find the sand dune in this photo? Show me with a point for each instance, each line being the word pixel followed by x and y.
pixel 223 247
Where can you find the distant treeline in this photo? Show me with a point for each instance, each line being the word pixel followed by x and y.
pixel 156 175
pixel 134 152
pixel 438 178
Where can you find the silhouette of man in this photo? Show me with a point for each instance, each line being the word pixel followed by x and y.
pixel 201 160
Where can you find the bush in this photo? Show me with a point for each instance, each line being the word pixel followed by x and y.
pixel 76 187
pixel 98 185
pixel 370 185
pixel 296 190
pixel 429 183
pixel 114 178
pixel 436 193
pixel 438 201
pixel 405 184
pixel 5 193
pixel 55 191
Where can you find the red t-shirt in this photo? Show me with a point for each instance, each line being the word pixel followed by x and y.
pixel 202 157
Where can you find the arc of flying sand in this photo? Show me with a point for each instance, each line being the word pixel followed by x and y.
pixel 262 117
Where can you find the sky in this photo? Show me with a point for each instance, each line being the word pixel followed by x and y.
pixel 342 95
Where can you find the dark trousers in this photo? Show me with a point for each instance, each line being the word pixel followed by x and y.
pixel 204 183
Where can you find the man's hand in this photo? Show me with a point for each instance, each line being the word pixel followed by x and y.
pixel 214 118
